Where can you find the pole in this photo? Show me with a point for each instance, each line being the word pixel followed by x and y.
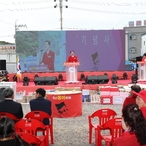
pixel 60 6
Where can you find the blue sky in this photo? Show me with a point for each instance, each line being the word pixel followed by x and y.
pixel 80 15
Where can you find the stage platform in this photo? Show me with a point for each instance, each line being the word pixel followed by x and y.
pixel 32 87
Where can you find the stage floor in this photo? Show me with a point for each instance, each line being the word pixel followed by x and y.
pixel 32 87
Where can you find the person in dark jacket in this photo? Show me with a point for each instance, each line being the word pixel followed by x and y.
pixel 41 104
pixel 10 106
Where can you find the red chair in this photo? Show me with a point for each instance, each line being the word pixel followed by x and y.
pixel 32 127
pixel 40 115
pixel 102 115
pixel 31 139
pixel 114 126
pixel 8 115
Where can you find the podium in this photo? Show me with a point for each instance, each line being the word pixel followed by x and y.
pixel 71 72
pixel 142 71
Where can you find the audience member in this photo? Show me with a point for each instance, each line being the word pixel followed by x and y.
pixel 8 137
pixel 134 124
pixel 132 97
pixel 141 101
pixel 41 104
pixel 10 106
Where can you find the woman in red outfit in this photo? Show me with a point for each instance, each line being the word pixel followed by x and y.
pixel 132 97
pixel 72 57
pixel 134 124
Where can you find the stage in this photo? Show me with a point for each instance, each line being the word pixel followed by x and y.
pixel 32 87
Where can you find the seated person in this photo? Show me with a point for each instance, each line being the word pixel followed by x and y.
pixel 10 106
pixel 132 97
pixel 8 137
pixel 141 101
pixel 133 122
pixel 41 104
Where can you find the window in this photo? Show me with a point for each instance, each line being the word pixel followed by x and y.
pixel 132 50
pixel 133 37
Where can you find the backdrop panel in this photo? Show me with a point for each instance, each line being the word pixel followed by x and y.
pixel 97 50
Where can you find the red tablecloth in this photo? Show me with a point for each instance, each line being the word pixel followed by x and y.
pixel 66 104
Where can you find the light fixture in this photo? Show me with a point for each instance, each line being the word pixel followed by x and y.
pixel 26 81
pixel 82 77
pixel 134 78
pixel 114 79
pixel 60 77
pixel 125 76
pixel 15 79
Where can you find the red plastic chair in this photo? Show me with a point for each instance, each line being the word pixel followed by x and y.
pixel 40 115
pixel 102 115
pixel 31 139
pixel 8 115
pixel 115 130
pixel 32 127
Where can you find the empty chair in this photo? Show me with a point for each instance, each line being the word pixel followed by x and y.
pixel 103 115
pixel 32 127
pixel 115 130
pixel 40 115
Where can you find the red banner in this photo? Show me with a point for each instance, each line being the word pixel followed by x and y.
pixel 66 105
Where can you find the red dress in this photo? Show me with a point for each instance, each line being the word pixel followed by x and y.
pixel 72 59
pixel 126 139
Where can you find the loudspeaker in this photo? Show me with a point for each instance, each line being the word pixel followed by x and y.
pixel 91 79
pixel 46 80
pixel 103 79
pixel 39 80
pixel 2 64
pixel 51 80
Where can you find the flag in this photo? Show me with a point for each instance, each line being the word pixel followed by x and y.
pixel 19 70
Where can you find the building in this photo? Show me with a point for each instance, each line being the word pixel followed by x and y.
pixel 135 41
pixel 8 53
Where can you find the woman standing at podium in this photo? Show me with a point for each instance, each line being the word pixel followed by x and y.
pixel 72 57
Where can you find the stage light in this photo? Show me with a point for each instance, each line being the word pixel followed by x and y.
pixel 26 81
pixel 36 75
pixel 15 78
pixel 82 77
pixel 105 74
pixel 60 77
pixel 114 79
pixel 125 76
pixel 134 78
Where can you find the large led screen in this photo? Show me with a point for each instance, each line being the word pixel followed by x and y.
pixel 97 50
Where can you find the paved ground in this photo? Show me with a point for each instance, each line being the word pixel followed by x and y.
pixel 74 131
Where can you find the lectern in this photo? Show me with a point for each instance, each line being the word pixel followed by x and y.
pixel 71 71
pixel 142 71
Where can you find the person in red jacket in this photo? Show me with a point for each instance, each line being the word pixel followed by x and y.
pixel 134 125
pixel 144 57
pixel 72 57
pixel 141 101
pixel 48 56
pixel 132 97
